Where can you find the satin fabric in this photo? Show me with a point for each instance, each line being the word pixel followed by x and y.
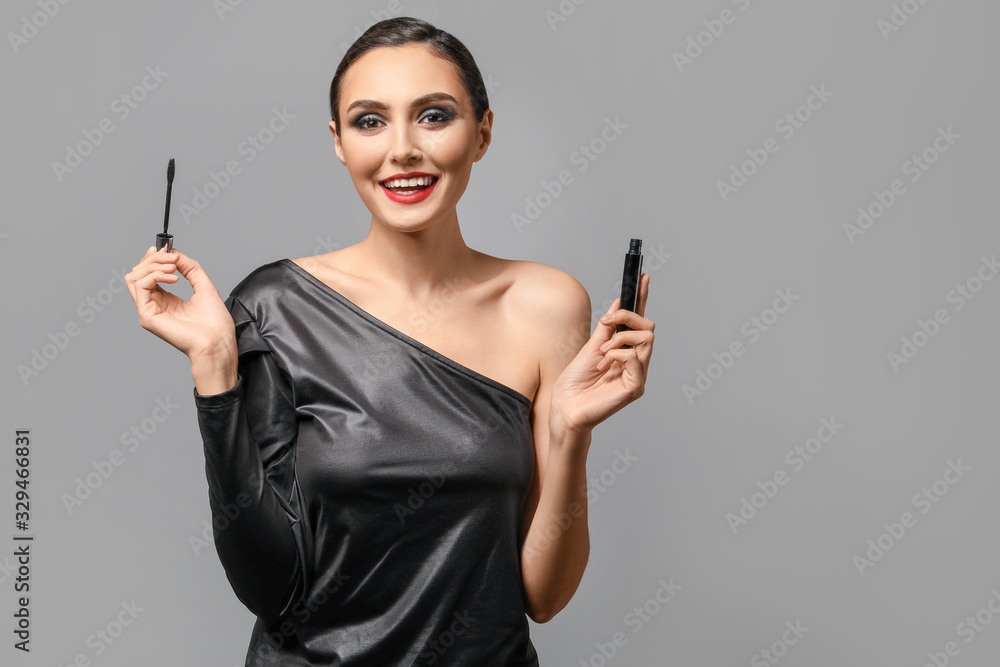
pixel 366 491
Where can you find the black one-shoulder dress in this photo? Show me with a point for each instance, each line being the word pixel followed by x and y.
pixel 366 490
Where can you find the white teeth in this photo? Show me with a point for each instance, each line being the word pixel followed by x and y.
pixel 408 182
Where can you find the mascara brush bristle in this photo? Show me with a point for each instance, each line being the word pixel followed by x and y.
pixel 170 182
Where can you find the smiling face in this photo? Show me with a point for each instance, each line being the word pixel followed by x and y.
pixel 404 111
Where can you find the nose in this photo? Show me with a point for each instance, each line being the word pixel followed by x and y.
pixel 403 148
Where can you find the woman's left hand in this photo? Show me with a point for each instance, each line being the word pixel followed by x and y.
pixel 604 377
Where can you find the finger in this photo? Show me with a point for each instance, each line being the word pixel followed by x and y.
pixel 149 281
pixel 639 340
pixel 635 370
pixel 629 360
pixel 196 275
pixel 146 285
pixel 150 262
pixel 643 293
pixel 164 263
pixel 627 338
pixel 132 276
pixel 630 319
pixel 603 331
pixel 160 255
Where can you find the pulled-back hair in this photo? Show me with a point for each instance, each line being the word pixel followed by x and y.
pixel 408 30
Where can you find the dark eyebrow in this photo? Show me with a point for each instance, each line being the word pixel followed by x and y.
pixel 420 101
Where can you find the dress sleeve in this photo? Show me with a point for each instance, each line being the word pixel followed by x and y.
pixel 249 434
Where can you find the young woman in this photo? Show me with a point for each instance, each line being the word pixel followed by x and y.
pixel 396 432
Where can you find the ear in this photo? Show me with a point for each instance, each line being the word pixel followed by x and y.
pixel 485 134
pixel 336 143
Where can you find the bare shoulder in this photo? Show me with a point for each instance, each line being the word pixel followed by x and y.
pixel 552 300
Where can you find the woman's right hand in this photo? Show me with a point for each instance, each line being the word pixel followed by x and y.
pixel 201 327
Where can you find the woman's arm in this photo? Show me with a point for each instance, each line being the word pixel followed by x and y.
pixel 248 431
pixel 556 547
pixel 248 424
pixel 582 382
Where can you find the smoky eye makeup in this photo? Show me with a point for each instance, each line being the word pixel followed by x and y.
pixel 361 121
pixel 443 114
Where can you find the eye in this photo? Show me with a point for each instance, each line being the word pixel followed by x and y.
pixel 443 115
pixel 364 121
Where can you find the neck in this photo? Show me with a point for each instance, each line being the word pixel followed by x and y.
pixel 418 265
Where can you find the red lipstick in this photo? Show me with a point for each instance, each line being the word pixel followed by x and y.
pixel 411 198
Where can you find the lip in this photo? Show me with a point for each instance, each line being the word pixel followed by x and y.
pixel 410 198
pixel 409 174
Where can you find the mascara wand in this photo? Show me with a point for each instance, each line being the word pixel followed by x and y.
pixel 166 239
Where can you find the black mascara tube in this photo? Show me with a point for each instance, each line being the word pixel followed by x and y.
pixel 630 280
pixel 165 239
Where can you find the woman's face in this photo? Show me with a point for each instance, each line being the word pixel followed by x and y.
pixel 404 110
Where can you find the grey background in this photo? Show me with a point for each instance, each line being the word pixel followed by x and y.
pixel 554 86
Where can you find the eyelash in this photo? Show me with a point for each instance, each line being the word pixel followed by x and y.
pixel 445 114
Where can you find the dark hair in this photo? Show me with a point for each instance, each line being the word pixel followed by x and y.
pixel 406 30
